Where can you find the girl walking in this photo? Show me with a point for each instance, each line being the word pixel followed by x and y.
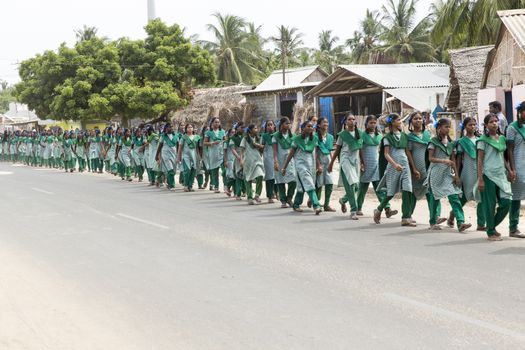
pixel 137 153
pixel 252 163
pixel 443 180
pixel 494 176
pixel 348 149
pixel 167 155
pixel 269 171
pixel 396 175
pixel 306 165
pixel 324 154
pixel 516 145
pixel 124 155
pixel 282 144
pixel 466 163
pixel 213 141
pixel 188 149
pixel 370 160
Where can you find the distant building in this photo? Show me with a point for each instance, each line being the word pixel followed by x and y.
pixel 273 99
pixel 504 75
pixel 19 117
pixel 364 89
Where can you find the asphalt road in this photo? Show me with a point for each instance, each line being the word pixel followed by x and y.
pixel 90 262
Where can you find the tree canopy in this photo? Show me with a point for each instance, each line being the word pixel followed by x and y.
pixel 98 78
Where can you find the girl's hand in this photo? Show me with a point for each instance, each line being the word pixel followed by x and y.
pixel 398 167
pixel 319 170
pixel 242 163
pixel 283 172
pixel 362 168
pixel 481 185
pixel 449 163
pixel 216 142
pixel 417 174
pixel 512 176
pixel 457 180
pixel 330 168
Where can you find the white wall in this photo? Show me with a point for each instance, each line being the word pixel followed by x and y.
pixel 518 95
pixel 485 96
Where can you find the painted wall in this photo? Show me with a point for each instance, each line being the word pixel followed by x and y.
pixel 485 96
pixel 518 95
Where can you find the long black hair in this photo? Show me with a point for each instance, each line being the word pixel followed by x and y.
pixel 367 120
pixel 487 120
pixel 303 126
pixel 212 120
pixel 520 108
pixel 441 122
pixel 411 116
pixel 464 124
pixel 318 129
pixel 390 120
pixel 282 121
pixel 355 126
pixel 266 125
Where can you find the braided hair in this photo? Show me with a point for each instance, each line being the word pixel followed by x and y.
pixel 368 119
pixel 390 121
pixel 355 126
pixel 464 124
pixel 486 121
pixel 318 129
pixel 442 122
pixel 411 116
pixel 282 121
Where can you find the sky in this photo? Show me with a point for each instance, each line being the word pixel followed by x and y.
pixel 28 27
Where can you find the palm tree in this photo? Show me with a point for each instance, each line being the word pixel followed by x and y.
pixel 460 23
pixel 86 33
pixel 366 41
pixel 288 43
pixel 328 53
pixel 232 49
pixel 406 41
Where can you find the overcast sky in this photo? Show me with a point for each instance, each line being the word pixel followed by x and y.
pixel 29 27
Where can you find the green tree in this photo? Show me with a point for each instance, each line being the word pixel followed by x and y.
pixel 404 39
pixel 86 33
pixel 97 79
pixel 237 51
pixel 288 42
pixel 463 23
pixel 367 40
pixel 330 54
pixel 6 96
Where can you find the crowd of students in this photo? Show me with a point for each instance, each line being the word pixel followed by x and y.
pixel 483 165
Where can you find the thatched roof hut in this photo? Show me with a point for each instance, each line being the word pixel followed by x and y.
pixel 466 76
pixel 227 103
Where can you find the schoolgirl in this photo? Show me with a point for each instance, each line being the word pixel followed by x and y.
pixel 282 144
pixel 234 147
pixel 188 156
pixel 252 163
pixel 466 163
pixel 394 170
pixel 124 154
pixel 229 186
pixel 306 166
pixel 370 160
pixel 269 171
pixel 418 140
pixel 150 152
pixel 516 151
pixel 324 155
pixel 167 155
pixel 137 153
pixel 213 140
pixel 494 176
pixel 442 179
pixel 348 150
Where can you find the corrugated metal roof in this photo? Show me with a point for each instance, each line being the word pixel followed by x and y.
pixel 418 98
pixel 514 21
pixel 294 78
pixel 408 75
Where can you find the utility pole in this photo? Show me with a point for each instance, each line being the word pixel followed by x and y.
pixel 151 10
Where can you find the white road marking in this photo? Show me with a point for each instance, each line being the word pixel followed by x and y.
pixel 456 316
pixel 41 191
pixel 6 172
pixel 146 222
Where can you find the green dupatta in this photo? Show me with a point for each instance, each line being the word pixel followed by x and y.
pixel 448 149
pixel 192 144
pixel 326 146
pixel 499 145
pixel 171 143
pixel 468 147
pixel 285 143
pixel 521 130
pixel 371 141
pixel 351 141
pixel 424 139
pixel 306 146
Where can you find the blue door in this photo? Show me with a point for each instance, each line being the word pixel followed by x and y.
pixel 326 111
